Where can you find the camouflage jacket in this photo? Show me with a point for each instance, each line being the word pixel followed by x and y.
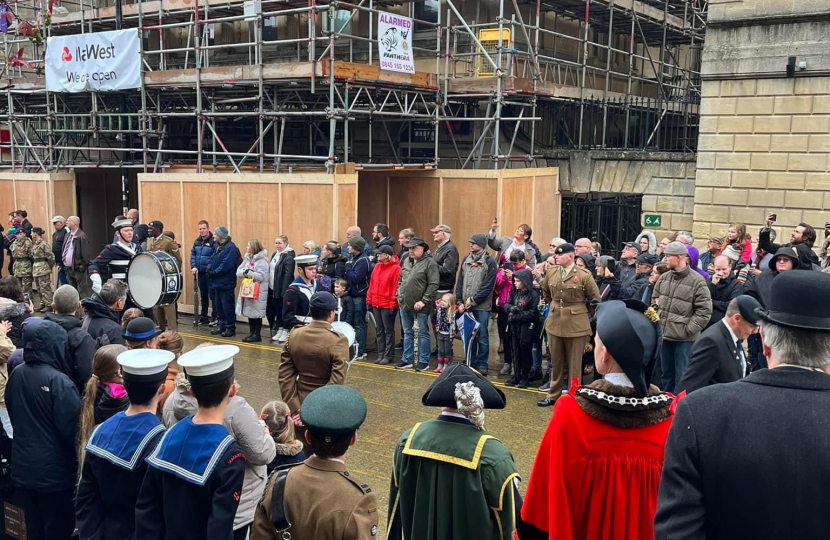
pixel 43 259
pixel 22 253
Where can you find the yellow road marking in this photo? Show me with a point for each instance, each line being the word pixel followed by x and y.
pixel 272 348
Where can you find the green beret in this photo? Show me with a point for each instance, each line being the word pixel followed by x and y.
pixel 333 411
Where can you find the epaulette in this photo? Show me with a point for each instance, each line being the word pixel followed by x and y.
pixel 584 270
pixel 362 487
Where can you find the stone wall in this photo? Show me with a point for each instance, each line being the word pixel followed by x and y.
pixel 764 138
pixel 666 180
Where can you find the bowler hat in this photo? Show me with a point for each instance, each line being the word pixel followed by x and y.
pixel 799 300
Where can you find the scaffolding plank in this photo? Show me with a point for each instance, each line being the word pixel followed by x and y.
pixel 230 74
pixel 365 72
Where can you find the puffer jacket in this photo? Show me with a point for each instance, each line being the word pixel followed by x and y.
pixel 249 307
pixel 683 303
pixel 220 271
pixel 418 282
pixel 243 423
pixel 201 253
pixel 15 313
pixel 282 275
pixel 383 284
pixel 652 241
pixel 43 406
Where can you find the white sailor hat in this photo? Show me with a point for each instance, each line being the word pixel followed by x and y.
pixel 305 260
pixel 145 364
pixel 209 364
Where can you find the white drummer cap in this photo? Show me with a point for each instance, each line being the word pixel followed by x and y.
pixel 305 260
pixel 209 364
pixel 145 362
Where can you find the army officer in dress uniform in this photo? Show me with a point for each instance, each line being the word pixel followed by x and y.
pixel 567 288
pixel 318 499
pixel 165 316
pixel 314 355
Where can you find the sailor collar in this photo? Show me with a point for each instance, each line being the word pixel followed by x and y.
pixel 122 439
pixel 191 451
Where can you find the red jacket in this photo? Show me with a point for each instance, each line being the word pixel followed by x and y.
pixel 384 284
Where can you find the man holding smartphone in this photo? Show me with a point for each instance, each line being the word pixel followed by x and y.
pixel 802 239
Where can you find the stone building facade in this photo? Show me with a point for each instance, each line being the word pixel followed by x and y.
pixel 764 136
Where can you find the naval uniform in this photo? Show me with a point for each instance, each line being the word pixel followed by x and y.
pixel 113 470
pixel 568 325
pixel 193 485
pixel 322 501
pixel 112 263
pixel 295 303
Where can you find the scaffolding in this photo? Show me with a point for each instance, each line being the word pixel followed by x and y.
pixel 277 85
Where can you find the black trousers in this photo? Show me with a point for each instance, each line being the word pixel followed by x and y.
pixel 205 297
pixel 255 325
pixel 385 320
pixel 49 515
pixel 273 312
pixel 523 359
pixel 242 532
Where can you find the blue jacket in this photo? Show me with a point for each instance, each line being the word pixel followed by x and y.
pixel 201 253
pixel 221 269
pixel 357 275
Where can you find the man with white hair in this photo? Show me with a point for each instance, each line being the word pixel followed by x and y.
pixel 76 256
pixel 555 243
pixel 66 304
pixel 685 237
pixel 763 438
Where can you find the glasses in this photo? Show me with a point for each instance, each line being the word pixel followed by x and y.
pixel 552 245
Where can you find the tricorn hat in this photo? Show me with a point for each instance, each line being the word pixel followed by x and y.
pixel 441 393
pixel 799 300
pixel 630 331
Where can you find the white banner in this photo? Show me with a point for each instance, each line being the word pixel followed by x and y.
pixel 395 43
pixel 100 61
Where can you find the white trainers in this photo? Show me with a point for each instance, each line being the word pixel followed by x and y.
pixel 284 336
pixel 281 335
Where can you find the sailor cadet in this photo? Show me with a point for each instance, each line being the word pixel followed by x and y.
pixel 114 258
pixel 314 355
pixel 318 499
pixel 194 482
pixel 450 479
pixel 298 294
pixel 113 461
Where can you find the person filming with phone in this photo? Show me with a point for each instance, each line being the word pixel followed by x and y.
pixel 802 239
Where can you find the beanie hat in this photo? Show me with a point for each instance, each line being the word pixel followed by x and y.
pixel 732 252
pixel 357 243
pixel 676 248
pixel 222 232
pixel 480 240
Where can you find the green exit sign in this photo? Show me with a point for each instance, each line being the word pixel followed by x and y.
pixel 652 220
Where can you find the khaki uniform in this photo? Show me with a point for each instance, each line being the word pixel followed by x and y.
pixel 44 261
pixel 568 324
pixel 322 500
pixel 165 316
pixel 22 253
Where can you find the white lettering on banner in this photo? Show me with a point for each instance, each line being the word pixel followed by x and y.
pixel 99 61
pixel 395 43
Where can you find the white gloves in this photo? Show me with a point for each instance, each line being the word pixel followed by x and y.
pixel 96 282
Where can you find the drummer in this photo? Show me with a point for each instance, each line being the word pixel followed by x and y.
pixel 298 294
pixel 314 355
pixel 165 316
pixel 114 259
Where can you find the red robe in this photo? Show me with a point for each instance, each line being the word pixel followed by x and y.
pixel 593 480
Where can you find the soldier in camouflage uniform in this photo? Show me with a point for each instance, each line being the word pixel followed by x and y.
pixel 44 261
pixel 22 252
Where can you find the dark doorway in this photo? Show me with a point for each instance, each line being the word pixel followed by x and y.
pixel 607 218
pixel 98 194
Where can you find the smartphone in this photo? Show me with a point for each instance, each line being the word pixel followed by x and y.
pixel 612 266
pixel 28 299
pixel 508 266
pixel 773 217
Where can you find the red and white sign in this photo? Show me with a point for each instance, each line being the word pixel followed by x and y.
pixel 100 61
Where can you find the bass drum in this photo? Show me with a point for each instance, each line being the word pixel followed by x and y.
pixel 345 329
pixel 154 279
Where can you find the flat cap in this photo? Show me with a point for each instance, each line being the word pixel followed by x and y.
pixel 156 224
pixel 567 247
pixel 58 218
pixel 323 300
pixel 386 249
pixel 442 228
pixel 676 248
pixel 141 329
pixel 333 411
pixel 648 258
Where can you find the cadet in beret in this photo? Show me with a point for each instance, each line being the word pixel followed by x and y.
pixel 166 316
pixel 314 355
pixel 567 288
pixel 318 499
pixel 450 479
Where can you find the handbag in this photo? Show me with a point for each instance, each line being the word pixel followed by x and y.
pixel 249 289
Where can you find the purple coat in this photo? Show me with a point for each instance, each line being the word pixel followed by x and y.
pixel 694 256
